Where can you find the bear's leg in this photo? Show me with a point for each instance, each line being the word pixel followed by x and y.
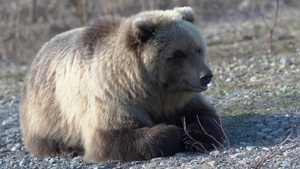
pixel 41 146
pixel 134 144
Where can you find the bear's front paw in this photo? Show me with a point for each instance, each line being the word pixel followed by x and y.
pixel 193 145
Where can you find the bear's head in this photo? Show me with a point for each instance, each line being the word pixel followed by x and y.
pixel 172 49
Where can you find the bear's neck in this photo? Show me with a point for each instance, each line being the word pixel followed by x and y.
pixel 172 101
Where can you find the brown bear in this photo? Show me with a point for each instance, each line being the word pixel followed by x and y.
pixel 118 89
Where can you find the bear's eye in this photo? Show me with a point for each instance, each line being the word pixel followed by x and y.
pixel 178 54
pixel 199 50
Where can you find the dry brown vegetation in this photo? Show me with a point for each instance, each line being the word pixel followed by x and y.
pixel 26 24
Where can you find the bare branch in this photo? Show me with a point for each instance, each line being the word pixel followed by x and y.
pixel 195 141
pixel 209 134
pixel 222 128
pixel 273 27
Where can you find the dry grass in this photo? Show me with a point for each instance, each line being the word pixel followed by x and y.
pixel 26 24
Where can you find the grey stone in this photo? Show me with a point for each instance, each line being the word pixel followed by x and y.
pixel 277 133
pixel 285 164
pixel 265 148
pixel 250 148
pixel 287 153
pixel 266 130
pixel 261 135
pixel 211 163
pixel 24 161
pixel 253 79
pixel 166 163
pixel 180 155
pixel 240 155
pixel 156 159
pixel 2 150
pixel 52 161
pixel 274 123
pixel 9 120
pixel 284 61
pixel 9 146
pixel 268 137
pixel 136 162
pixel 214 153
pixel 251 135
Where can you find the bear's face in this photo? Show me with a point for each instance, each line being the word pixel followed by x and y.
pixel 183 52
pixel 173 52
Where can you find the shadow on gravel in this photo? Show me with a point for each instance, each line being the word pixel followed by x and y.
pixel 259 130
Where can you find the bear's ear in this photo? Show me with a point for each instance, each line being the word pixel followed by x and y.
pixel 142 29
pixel 187 13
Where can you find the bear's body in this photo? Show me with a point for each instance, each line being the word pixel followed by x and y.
pixel 118 88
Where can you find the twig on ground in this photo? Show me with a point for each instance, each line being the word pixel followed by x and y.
pixel 222 128
pixel 195 141
pixel 211 135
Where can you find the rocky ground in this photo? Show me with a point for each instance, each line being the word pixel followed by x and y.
pixel 255 92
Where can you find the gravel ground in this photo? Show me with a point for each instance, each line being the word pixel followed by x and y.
pixel 256 94
pixel 257 122
pixel 252 138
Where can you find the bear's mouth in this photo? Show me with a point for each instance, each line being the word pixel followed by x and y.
pixel 196 88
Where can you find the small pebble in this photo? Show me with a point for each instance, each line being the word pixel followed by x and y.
pixel 276 165
pixel 214 153
pixel 240 155
pixel 136 162
pixel 180 155
pixel 261 135
pixel 266 130
pixel 287 154
pixel 10 146
pixel 265 148
pixel 156 159
pixel 268 137
pixel 24 161
pixel 166 163
pixel 285 164
pixel 211 163
pixel 52 161
pixel 277 133
pixel 253 79
pixel 284 60
pixel 13 149
pixel 274 123
pixel 250 148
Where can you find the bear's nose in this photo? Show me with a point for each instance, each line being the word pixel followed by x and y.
pixel 206 78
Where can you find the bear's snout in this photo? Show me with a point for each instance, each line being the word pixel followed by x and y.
pixel 206 78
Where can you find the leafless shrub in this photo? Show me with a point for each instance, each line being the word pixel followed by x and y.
pixel 271 29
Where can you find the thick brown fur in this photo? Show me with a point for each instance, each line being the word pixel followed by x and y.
pixel 117 89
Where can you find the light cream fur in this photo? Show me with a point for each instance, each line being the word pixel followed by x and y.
pixel 69 98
